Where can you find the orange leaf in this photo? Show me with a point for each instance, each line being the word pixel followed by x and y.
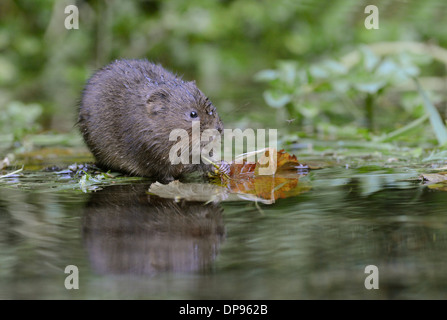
pixel 270 185
pixel 284 162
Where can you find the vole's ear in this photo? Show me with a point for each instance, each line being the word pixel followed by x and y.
pixel 156 101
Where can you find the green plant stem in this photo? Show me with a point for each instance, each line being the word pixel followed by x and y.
pixel 435 119
pixel 290 110
pixel 369 107
pixel 401 131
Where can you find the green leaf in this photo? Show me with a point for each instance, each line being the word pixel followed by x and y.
pixel 266 75
pixel 370 60
pixel 326 69
pixel 335 67
pixel 288 72
pixel 309 111
pixel 371 87
pixel 341 85
pixel 319 72
pixel 435 119
pixel 386 69
pixel 275 99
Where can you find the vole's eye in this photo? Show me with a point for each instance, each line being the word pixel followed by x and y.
pixel 193 114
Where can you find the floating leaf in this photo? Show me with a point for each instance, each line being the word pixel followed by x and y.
pixel 438 186
pixel 269 187
pixel 284 162
pixel 431 178
pixel 241 170
pixel 264 180
pixel 203 192
pixel 200 192
pixel 437 181
pixel 243 181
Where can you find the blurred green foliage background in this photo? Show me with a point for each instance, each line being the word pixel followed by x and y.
pixel 233 49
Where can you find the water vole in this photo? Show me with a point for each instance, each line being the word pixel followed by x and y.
pixel 128 111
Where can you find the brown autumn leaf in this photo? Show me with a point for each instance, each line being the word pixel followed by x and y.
pixel 284 161
pixel 256 178
pixel 202 192
pixel 241 170
pixel 436 181
pixel 268 187
pixel 243 181
pixel 430 178
pixel 438 186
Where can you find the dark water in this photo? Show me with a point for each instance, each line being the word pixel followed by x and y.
pixel 129 245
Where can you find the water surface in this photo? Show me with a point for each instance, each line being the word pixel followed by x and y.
pixel 131 245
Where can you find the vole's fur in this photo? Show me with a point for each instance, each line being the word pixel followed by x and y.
pixel 128 111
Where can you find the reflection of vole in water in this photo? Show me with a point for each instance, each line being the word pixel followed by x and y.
pixel 127 231
pixel 128 111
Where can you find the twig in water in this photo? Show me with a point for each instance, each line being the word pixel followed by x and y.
pixel 11 173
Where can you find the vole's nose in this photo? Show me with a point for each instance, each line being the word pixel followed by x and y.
pixel 219 127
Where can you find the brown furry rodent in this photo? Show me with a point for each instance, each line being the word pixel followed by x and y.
pixel 127 112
